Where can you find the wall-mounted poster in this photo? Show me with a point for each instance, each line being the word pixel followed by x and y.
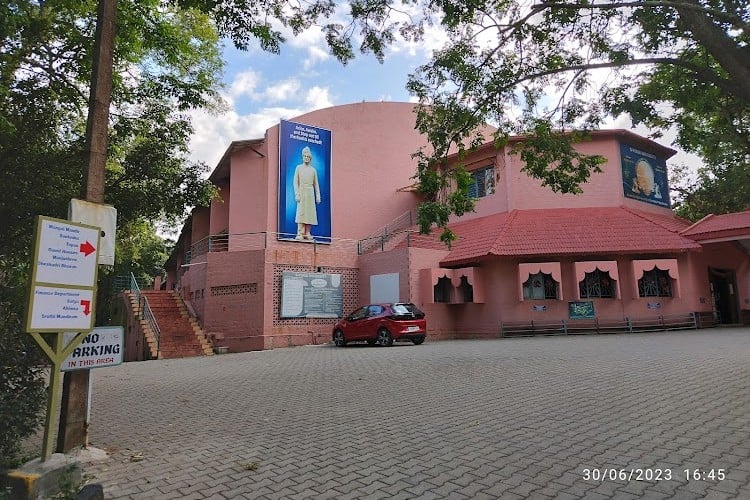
pixel 304 183
pixel 644 176
pixel 311 295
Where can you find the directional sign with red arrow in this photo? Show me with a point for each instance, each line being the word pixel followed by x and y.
pixel 63 284
pixel 87 249
pixel 86 307
pixel 66 253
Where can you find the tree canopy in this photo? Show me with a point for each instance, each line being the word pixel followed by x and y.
pixel 546 68
pixel 167 61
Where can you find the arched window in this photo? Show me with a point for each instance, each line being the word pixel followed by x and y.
pixel 442 291
pixel 655 283
pixel 467 291
pixel 540 286
pixel 597 284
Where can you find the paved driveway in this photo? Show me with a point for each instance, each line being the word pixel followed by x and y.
pixel 560 417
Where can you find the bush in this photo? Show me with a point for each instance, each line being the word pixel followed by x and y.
pixel 22 383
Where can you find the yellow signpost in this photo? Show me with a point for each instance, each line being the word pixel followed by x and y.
pixel 62 295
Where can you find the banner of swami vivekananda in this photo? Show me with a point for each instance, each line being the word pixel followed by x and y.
pixel 304 183
pixel 644 176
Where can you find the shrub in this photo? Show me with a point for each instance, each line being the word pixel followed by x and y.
pixel 22 381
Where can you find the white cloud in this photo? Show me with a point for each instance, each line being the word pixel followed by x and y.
pixel 282 91
pixel 313 42
pixel 213 133
pixel 244 84
pixel 318 98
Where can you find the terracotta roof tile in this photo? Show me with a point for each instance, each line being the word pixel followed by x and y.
pixel 571 231
pixel 718 226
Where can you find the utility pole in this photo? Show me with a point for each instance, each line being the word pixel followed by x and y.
pixel 73 429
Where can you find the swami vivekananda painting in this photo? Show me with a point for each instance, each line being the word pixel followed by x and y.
pixel 304 183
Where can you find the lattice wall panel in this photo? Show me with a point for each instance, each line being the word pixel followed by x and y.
pixel 349 293
pixel 235 289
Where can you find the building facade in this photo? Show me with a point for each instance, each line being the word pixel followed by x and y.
pixel 318 218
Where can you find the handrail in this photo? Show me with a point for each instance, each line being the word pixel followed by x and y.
pixel 145 311
pixel 135 288
pixel 148 316
pixel 396 226
pixel 259 240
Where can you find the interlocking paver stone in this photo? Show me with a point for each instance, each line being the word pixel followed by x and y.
pixel 505 418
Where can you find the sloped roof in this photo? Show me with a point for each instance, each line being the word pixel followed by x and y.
pixel 569 231
pixel 711 227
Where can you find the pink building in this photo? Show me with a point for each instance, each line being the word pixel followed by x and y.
pixel 527 259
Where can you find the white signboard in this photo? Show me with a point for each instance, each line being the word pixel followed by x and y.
pixel 63 282
pixel 102 347
pixel 66 253
pixel 58 309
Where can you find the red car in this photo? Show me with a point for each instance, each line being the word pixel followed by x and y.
pixel 381 324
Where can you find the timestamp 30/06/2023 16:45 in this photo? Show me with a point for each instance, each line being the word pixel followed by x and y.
pixel 653 474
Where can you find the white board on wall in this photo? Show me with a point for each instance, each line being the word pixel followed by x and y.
pixel 384 288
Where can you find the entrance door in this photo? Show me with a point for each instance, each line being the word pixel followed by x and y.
pixel 724 292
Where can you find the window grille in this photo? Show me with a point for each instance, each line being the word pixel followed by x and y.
pixel 482 182
pixel 467 291
pixel 655 283
pixel 540 286
pixel 442 291
pixel 597 284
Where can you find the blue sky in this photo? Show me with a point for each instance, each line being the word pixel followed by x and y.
pixel 262 88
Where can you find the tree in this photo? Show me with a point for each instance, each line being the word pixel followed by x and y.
pixel 167 62
pixel 547 68
pixel 709 123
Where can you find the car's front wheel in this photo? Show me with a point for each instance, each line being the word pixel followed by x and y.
pixel 418 340
pixel 339 339
pixel 385 339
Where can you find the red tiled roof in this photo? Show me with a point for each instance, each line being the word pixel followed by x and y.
pixel 720 226
pixel 570 231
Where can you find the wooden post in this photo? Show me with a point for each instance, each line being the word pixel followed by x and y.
pixel 73 429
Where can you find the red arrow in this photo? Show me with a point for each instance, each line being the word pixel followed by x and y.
pixel 86 306
pixel 87 248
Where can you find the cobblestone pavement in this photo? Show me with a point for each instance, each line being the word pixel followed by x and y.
pixel 507 418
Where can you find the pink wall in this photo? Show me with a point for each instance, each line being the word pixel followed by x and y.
pixel 501 290
pixel 237 292
pixel 515 190
pixel 234 299
pixel 201 223
pixel 220 211
pixel 251 178
pixel 371 160
pixel 396 261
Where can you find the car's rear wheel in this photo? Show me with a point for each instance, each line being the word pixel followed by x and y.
pixel 385 338
pixel 339 339
pixel 418 340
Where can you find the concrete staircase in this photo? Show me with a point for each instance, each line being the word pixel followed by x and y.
pixel 181 335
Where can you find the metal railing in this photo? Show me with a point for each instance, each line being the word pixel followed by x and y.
pixel 379 238
pixel 262 239
pixel 598 326
pixel 145 311
pixel 126 281
pixel 148 315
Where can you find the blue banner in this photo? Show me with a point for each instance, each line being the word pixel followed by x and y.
pixel 304 183
pixel 644 176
